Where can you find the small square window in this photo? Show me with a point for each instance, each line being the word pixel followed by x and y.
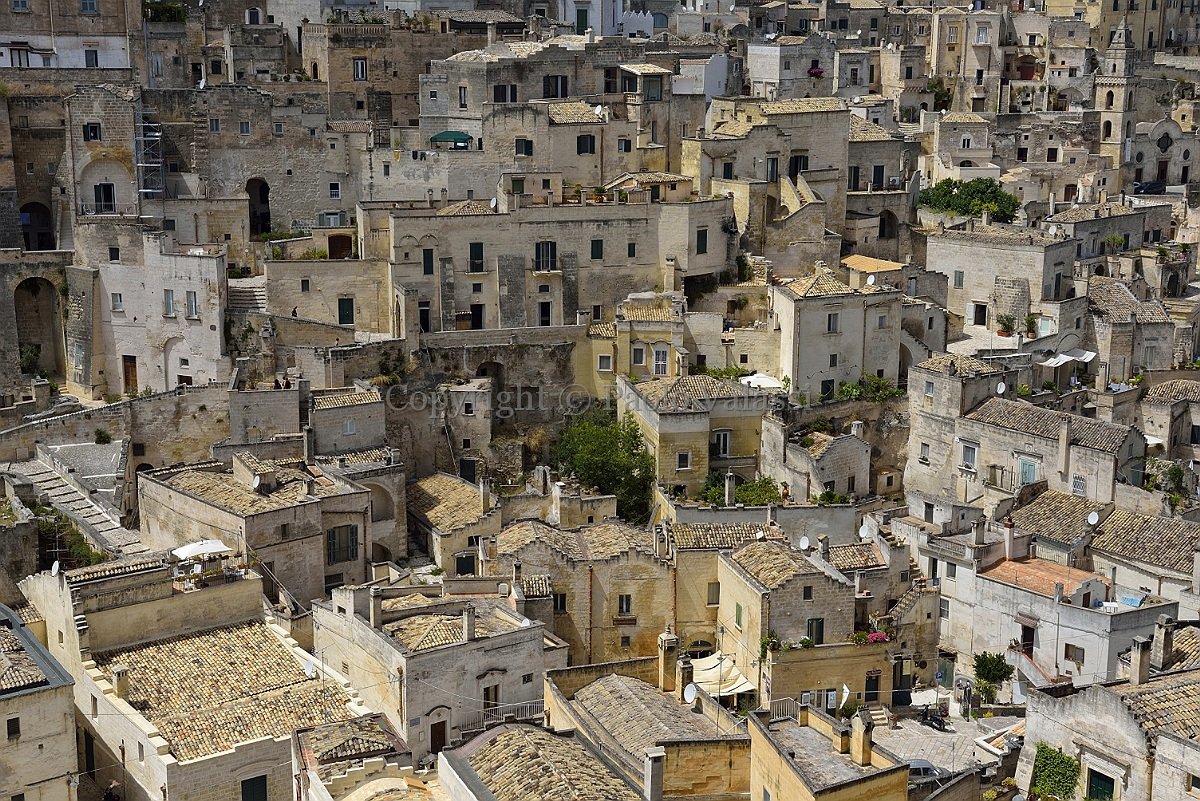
pixel 683 460
pixel 468 409
pixel 466 443
pixel 214 125
pixel 624 641
pixel 929 389
pixel 476 288
pixel 743 358
pixel 244 128
pixel 335 190
pixel 114 254
pixel 168 224
pixel 118 302
pixel 604 362
pixel 305 285
pixel 808 592
pixel 639 355
pixel 527 678
pixel 278 129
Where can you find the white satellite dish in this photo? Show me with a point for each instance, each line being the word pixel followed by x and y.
pixel 864 531
pixel 870 280
pixel 1001 387
pixel 310 669
pixel 804 543
pixel 858 32
pixel 598 110
pixel 1093 518
pixel 760 535
pixel 54 568
pixel 689 693
pixel 526 623
pixel 256 482
pixel 493 203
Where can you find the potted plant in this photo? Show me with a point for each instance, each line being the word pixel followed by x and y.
pixel 1031 324
pixel 1008 324
pixel 815 72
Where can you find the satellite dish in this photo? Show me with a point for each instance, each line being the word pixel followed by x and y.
pixel 864 532
pixel 1001 387
pixel 310 669
pixel 54 568
pixel 256 482
pixel 526 622
pixel 598 110
pixel 689 693
pixel 858 32
pixel 493 203
pixel 870 280
pixel 804 543
pixel 1093 518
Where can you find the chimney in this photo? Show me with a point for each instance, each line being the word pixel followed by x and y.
pixel 491 32
pixel 857 428
pixel 653 776
pixel 729 488
pixel 979 531
pixel 857 583
pixel 376 607
pixel 986 217
pixel 1064 446
pixel 445 196
pixel 1103 195
pixel 310 445
pixel 668 646
pixel 516 573
pixel 1139 662
pixel 310 487
pixel 1164 635
pixel 468 623
pixel 1052 204
pixel 590 35
pixel 582 317
pixel 1058 592
pixel 683 676
pixel 1009 538
pixel 861 737
pixel 120 680
pixel 823 546
pixel 1195 570
pixel 485 496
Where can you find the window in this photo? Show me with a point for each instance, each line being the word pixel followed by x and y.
pixel 631 250
pixel 833 360
pixel 683 460
pixel 714 593
pixel 476 288
pixel 721 443
pixel 958 279
pixel 278 129
pixel 624 144
pixel 772 168
pixel 701 241
pixel 727 170
pixel 527 678
pixel 545 255
pixel 952 34
pixel 91 132
pixel 14 728
pixel 215 67
pixel 816 630
pixel 335 190
pixel 554 86
pixel 20 5
pixel 168 224
pixel 604 362
pixel 504 93
pixel 475 257
pixel 1073 653
pixel 118 303
pixel 244 128
pixel 624 605
pixel 88 7
pixel 737 615
pixel 585 144
pixel 969 453
pixel 427 261
pixel 523 147
pixel 341 544
pixel 925 452
pixel 808 592
pixel 831 323
pixel 660 361
pixel 193 304
pixel 360 69
pixel 624 640
pixel 944 608
pixel 951 570
pixel 653 87
pixel 560 602
pixel 256 789
pixel 881 321
pixel 433 94
pixel 462 97
pixel 91 59
pixel 305 285
pixel 114 254
pixel 168 303
pixel 214 125
pixel 639 358
pixel 982 34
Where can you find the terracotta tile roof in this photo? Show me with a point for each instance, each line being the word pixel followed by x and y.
pixel 357 457
pixel 479 15
pixel 783 41
pixel 956 364
pixel 1170 702
pixel 422 632
pixel 1165 542
pixel 599 541
pixel 802 104
pixel 997 235
pixel 465 208
pixel 1185 649
pixel 646 69
pixel 865 131
pixel 224 490
pixel 524 763
pixel 732 129
pixel 715 535
pixel 820 284
pixel 639 313
pixel 820 444
pixel 573 112
pixel 687 393
pixel 1172 392
pixel 26 612
pixel 639 716
pixel 115 567
pixel 410 601
pixel 856 556
pixel 1029 419
pixel 959 117
pixel 446 501
pixel 1055 516
pixel 18 670
pixel 651 177
pixel 609 539
pixel 773 564
pixel 512 539
pixel 539 586
pixel 1092 211
pixel 209 690
pixel 603 330
pixel 1039 576
pixel 337 399
pixel 334 748
pixel 1109 298
pixel 349 126
pixel 865 264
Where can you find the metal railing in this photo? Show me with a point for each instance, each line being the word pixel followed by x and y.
pixel 479 720
pixel 102 209
pixel 784 709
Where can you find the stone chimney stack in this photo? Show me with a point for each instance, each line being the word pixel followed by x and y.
pixel 468 623
pixel 979 531
pixel 516 573
pixel 376 607
pixel 1139 662
pixel 668 646
pixel 986 217
pixel 683 676
pixel 120 680
pixel 823 546
pixel 857 428
pixel 1064 447
pixel 861 738
pixel 485 493
pixel 730 488
pixel 492 32
pixel 653 768
pixel 310 445
pixel 1164 636
pixel 1009 538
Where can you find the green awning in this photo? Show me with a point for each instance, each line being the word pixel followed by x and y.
pixel 451 136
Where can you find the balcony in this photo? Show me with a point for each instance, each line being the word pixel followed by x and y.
pixel 108 209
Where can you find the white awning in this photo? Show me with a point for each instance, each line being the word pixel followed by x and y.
pixel 761 381
pixel 1057 360
pixel 1072 355
pixel 717 675
pixel 201 548
pixel 1155 440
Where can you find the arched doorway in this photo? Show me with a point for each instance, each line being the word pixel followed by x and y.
pixel 37 227
pixel 259 192
pixel 39 328
pixel 340 246
pixel 887 225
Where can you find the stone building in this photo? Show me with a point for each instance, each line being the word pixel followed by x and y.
pixel 333 761
pixel 37 707
pixel 449 518
pixel 811 463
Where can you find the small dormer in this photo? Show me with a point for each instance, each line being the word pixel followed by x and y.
pixel 254 473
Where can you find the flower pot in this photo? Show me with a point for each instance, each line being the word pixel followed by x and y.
pixel 1005 333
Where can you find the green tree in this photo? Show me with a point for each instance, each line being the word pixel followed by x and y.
pixel 992 668
pixel 759 492
pixel 971 199
pixel 610 454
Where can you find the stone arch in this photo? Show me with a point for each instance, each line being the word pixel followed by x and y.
pixel 105 187
pixel 966 163
pixel 383 506
pixel 1109 98
pixel 888 225
pixel 143 467
pixel 1107 129
pixel 37 227
pixel 40 342
pixel 659 20
pixel 316 74
pixel 258 191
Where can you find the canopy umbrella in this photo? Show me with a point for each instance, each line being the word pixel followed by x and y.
pixel 201 548
pixel 717 675
pixel 452 137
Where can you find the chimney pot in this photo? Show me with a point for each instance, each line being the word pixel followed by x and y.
pixel 683 676
pixel 1139 661
pixel 120 680
pixel 376 607
pixel 1164 636
pixel 468 623
pixel 730 488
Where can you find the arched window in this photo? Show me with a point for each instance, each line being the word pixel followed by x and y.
pixel 1108 129
pixel 253 16
pixel 1108 99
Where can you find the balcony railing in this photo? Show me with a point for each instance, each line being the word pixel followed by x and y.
pixel 108 209
pixel 495 715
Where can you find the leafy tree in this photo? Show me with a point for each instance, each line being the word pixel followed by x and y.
pixel 992 668
pixel 1054 773
pixel 610 454
pixel 759 492
pixel 869 387
pixel 971 199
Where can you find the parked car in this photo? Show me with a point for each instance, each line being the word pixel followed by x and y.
pixel 1150 188
pixel 922 772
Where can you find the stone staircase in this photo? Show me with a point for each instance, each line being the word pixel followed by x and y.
pixel 919 350
pixel 908 600
pixel 880 716
pixel 247 294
